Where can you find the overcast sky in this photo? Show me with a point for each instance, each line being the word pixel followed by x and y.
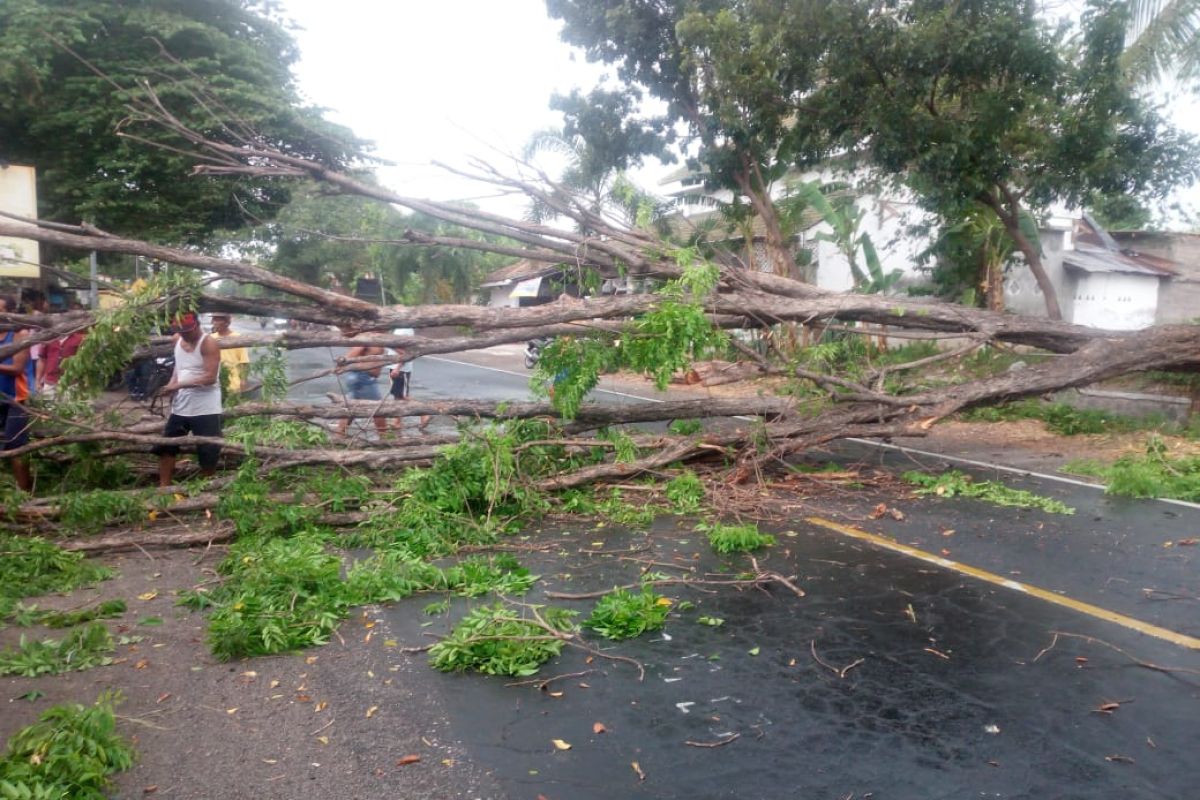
pixel 443 80
pixel 435 80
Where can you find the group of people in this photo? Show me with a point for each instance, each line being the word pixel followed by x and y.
pixel 363 379
pixel 195 387
pixel 26 373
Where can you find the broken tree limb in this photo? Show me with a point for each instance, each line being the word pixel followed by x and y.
pixel 182 536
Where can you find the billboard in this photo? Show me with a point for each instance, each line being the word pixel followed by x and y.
pixel 19 258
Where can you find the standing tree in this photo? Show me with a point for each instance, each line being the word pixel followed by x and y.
pixel 68 71
pixel 319 238
pixel 728 73
pixel 1163 38
pixel 985 103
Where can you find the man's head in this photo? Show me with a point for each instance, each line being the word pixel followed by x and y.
pixel 187 326
pixel 220 323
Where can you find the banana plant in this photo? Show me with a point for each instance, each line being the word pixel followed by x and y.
pixel 843 216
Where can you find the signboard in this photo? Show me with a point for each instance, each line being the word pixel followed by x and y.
pixel 19 258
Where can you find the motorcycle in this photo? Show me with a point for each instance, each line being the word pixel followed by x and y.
pixel 533 350
pixel 152 377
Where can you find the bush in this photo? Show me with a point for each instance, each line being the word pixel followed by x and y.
pixel 68 753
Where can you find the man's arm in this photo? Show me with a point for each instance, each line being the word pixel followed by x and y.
pixel 354 352
pixel 210 351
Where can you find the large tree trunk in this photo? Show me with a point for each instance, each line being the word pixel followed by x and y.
pixel 1010 215
pixel 775 426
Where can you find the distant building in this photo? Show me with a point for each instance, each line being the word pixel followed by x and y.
pixel 526 283
pixel 1099 283
pixel 1178 296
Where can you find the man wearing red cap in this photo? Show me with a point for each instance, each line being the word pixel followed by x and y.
pixel 196 401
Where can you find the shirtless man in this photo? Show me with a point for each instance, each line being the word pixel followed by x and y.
pixel 363 380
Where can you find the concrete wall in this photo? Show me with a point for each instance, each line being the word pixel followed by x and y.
pixel 498 297
pixel 1021 292
pixel 886 223
pixel 1115 300
pixel 1178 297
pixel 1178 300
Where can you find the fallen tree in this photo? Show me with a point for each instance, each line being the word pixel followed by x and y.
pixel 656 333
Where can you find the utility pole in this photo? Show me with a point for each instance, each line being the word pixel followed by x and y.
pixel 93 292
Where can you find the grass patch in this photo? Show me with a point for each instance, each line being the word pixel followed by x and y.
pixel 727 539
pixel 70 752
pixel 82 648
pixel 622 614
pixel 499 640
pixel 959 484
pixel 1154 474
pixel 1066 420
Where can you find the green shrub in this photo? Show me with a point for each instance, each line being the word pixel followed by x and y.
pixel 1066 420
pixel 685 493
pixel 622 614
pixel 1154 474
pixel 82 648
pixel 30 566
pixel 685 427
pixel 31 615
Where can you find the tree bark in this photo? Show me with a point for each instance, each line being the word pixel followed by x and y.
pixel 1011 218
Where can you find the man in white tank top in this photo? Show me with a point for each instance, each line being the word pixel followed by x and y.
pixel 196 404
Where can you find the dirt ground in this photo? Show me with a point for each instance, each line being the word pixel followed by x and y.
pixel 1031 435
pixel 309 725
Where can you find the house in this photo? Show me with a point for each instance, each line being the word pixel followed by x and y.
pixel 1178 296
pixel 524 283
pixel 1098 283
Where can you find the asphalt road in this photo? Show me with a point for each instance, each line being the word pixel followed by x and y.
pixel 963 651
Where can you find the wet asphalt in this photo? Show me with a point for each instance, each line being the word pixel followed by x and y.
pixel 890 678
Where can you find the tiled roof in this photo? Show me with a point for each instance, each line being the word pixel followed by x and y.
pixel 517 271
pixel 1088 258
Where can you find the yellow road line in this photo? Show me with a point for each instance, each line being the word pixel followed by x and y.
pixel 1181 639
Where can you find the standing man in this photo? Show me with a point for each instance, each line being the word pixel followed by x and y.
pixel 363 380
pixel 401 375
pixel 235 360
pixel 196 405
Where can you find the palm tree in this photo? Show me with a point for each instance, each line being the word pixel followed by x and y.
pixel 1163 38
pixel 606 192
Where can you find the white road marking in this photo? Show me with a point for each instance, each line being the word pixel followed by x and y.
pixel 1011 470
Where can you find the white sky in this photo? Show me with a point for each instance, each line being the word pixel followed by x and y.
pixel 436 80
pixel 444 80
